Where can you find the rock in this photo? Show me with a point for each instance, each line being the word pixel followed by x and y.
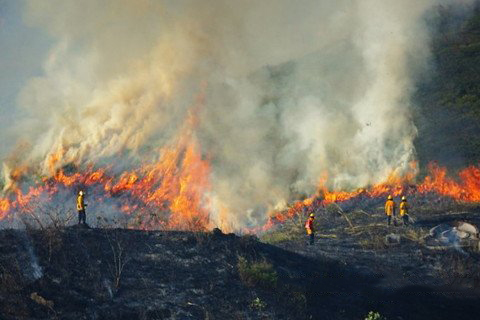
pixel 392 238
pixel 468 228
pixel 453 234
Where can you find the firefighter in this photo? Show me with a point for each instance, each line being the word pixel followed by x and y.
pixel 404 211
pixel 390 210
pixel 82 217
pixel 310 229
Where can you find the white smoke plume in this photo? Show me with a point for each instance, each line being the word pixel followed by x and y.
pixel 293 89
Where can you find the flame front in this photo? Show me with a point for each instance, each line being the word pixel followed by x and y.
pixel 169 193
pixel 465 188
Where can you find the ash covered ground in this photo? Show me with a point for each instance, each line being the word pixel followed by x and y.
pixel 354 267
pixel 401 272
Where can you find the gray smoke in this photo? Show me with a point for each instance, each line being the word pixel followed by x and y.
pixel 293 90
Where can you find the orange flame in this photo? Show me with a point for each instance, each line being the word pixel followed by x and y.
pixel 466 188
pixel 171 193
pixel 173 188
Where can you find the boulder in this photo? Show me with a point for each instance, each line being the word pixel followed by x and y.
pixel 468 228
pixel 458 233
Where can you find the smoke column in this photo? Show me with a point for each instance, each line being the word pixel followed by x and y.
pixel 292 90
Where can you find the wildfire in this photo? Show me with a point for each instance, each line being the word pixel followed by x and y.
pixel 466 188
pixel 171 193
pixel 167 194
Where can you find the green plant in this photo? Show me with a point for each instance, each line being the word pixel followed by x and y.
pixel 257 273
pixel 258 304
pixel 373 315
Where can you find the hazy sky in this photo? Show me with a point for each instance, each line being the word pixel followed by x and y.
pixel 22 52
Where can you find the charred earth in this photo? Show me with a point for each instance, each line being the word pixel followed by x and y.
pixel 82 273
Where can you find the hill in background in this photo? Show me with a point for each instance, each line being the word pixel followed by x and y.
pixel 447 113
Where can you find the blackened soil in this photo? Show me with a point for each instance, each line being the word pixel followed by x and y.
pixel 161 275
pixel 406 280
pixel 82 273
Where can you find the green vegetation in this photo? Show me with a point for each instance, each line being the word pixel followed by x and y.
pixel 258 304
pixel 447 99
pixel 372 315
pixel 257 273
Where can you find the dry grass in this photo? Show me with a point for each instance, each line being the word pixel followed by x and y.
pixel 120 255
pixel 416 235
pixel 373 242
pixel 292 229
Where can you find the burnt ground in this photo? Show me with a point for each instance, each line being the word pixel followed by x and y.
pixel 79 273
pixel 407 280
pixel 161 275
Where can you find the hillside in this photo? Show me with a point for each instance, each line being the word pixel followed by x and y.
pixel 447 100
pixel 79 273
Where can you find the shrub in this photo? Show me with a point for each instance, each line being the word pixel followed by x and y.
pixel 258 304
pixel 373 315
pixel 257 273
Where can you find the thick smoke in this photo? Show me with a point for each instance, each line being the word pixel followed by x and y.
pixel 293 90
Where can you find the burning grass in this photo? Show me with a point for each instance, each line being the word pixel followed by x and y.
pixel 173 192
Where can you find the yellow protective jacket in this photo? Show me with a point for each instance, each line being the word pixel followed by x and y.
pixel 390 208
pixel 80 203
pixel 403 208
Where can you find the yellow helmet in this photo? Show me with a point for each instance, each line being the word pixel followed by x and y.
pixel 312 215
pixel 390 197
pixel 404 198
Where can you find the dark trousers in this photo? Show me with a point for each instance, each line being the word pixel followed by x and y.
pixel 405 219
pixel 82 217
pixel 389 220
pixel 311 238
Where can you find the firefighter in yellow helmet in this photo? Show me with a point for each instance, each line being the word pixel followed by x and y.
pixel 82 218
pixel 390 210
pixel 310 229
pixel 404 211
